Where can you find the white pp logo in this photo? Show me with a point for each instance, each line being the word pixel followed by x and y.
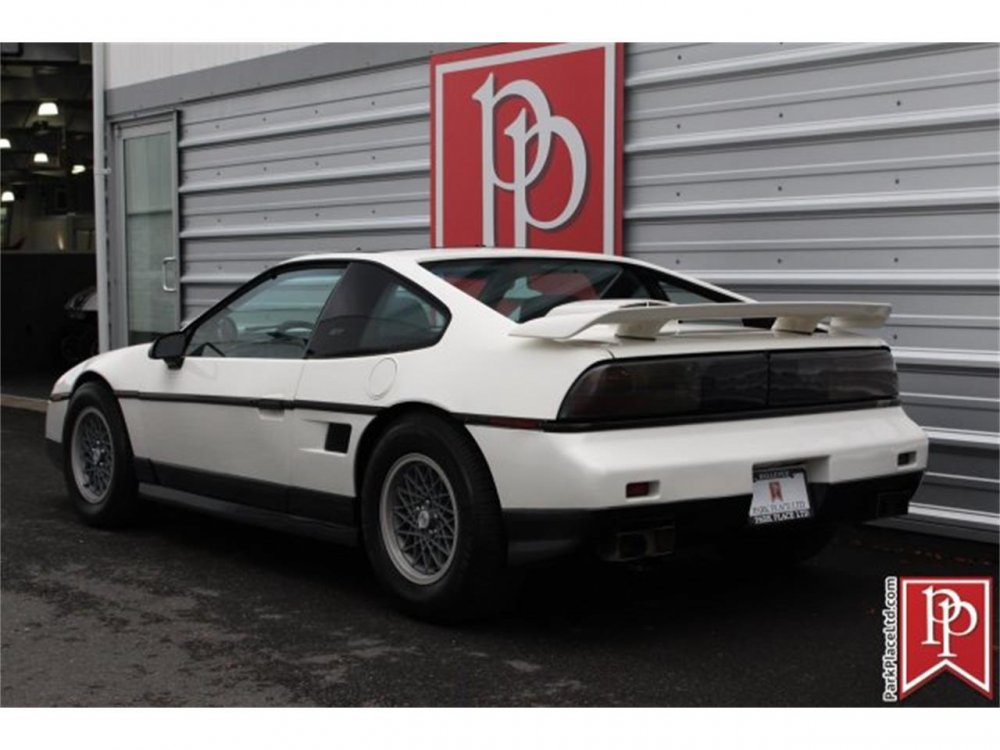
pixel 951 607
pixel 546 125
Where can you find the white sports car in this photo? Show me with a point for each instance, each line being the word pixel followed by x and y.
pixel 462 413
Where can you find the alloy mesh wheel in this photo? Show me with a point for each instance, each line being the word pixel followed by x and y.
pixel 92 455
pixel 419 518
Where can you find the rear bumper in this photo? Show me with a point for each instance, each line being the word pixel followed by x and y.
pixel 591 470
pixel 539 534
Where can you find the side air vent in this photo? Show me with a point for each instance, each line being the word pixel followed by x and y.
pixel 338 438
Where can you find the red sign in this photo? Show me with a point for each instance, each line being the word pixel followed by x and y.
pixel 945 626
pixel 526 147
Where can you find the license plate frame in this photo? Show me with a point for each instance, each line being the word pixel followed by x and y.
pixel 780 495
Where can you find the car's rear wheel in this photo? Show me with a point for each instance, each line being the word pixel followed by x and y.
pixel 97 456
pixel 431 521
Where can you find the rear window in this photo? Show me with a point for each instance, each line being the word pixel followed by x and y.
pixel 526 288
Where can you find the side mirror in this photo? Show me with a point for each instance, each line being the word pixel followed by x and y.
pixel 170 348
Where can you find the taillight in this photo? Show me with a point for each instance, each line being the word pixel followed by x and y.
pixel 728 384
pixel 803 378
pixel 677 386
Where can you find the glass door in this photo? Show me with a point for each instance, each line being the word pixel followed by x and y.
pixel 149 263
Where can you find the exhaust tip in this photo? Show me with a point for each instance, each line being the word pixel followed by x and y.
pixel 638 544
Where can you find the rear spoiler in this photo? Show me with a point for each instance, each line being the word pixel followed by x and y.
pixel 644 319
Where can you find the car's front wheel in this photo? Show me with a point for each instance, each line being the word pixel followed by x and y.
pixel 97 457
pixel 431 521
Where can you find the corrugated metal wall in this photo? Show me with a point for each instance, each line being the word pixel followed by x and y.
pixel 128 63
pixel 865 172
pixel 336 164
pixel 785 171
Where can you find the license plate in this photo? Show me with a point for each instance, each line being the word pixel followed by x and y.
pixel 779 495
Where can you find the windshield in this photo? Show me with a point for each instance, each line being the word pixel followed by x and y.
pixel 527 288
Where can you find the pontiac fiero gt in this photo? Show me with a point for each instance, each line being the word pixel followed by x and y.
pixel 463 413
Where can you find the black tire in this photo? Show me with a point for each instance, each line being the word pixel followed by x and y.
pixel 112 502
pixel 778 546
pixel 474 580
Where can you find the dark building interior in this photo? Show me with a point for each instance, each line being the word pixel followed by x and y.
pixel 47 237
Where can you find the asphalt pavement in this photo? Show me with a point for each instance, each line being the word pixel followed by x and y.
pixel 183 610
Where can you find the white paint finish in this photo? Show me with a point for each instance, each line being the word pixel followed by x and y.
pixel 128 63
pixel 478 369
pixel 645 319
pixel 122 369
pixel 240 441
pixel 590 470
pixel 315 468
pixel 475 368
pixel 55 416
pixel 382 376
pixel 136 426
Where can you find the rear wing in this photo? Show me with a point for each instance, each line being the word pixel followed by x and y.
pixel 645 319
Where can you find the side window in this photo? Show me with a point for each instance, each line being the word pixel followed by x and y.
pixel 679 295
pixel 373 311
pixel 272 320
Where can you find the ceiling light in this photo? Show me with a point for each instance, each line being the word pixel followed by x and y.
pixel 7 196
pixel 78 169
pixel 4 143
pixel 47 109
pixel 41 158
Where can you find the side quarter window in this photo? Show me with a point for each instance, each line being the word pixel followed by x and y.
pixel 375 311
pixel 274 319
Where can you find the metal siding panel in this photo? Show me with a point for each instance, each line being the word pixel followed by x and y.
pixel 131 63
pixel 337 163
pixel 314 100
pixel 865 172
pixel 961 493
pixel 787 171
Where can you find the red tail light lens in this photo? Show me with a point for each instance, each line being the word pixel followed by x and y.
pixel 799 378
pixel 729 384
pixel 668 387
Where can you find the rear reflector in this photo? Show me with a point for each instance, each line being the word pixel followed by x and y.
pixel 640 489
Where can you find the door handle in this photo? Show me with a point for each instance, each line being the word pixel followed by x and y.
pixel 163 271
pixel 270 404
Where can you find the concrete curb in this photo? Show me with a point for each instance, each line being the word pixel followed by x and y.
pixel 8 401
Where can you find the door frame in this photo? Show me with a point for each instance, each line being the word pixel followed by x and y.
pixel 159 124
